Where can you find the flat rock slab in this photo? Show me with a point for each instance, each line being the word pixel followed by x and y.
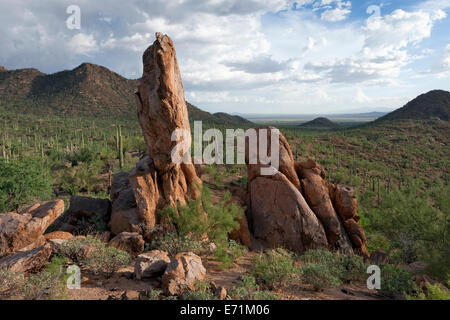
pixel 20 230
pixel 27 261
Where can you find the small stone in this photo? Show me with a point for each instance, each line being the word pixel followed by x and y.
pixel 221 293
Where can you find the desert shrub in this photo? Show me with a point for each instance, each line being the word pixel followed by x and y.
pixel 275 268
pixel 220 219
pixel 434 292
pixel 80 178
pixel 83 155
pixel 396 281
pixel 49 283
pixel 173 244
pixel 106 261
pixel 343 267
pixel 23 181
pixel 319 276
pixel 248 289
pixel 416 229
pixel 377 241
pixel 10 283
pixel 354 268
pixel 202 291
pixel 78 250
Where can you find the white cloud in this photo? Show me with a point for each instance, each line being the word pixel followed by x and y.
pixel 335 15
pixel 82 44
pixel 232 53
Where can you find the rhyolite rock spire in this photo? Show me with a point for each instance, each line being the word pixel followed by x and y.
pixel 161 108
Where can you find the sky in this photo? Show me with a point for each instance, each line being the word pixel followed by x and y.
pixel 248 56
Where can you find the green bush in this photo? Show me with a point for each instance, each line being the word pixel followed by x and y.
pixel 354 269
pixel 202 291
pixel 248 289
pixel 50 283
pixel 319 276
pixel 106 261
pixel 78 250
pixel 343 267
pixel 22 182
pixel 275 268
pixel 434 292
pixel 173 244
pixel 396 281
pixel 220 219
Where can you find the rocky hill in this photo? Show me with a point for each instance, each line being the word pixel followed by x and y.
pixel 434 104
pixel 88 90
pixel 320 123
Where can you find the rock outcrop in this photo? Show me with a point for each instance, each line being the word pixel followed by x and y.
pixel 295 208
pixel 157 181
pixel 162 110
pixel 22 230
pixel 278 214
pixel 183 271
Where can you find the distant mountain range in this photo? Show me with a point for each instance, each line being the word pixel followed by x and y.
pixel 88 90
pixel 93 90
pixel 433 104
pixel 312 116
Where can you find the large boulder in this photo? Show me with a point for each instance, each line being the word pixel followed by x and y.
pixel 161 109
pixel 281 217
pixel 85 208
pixel 21 230
pixel 315 190
pixel 151 264
pixel 131 242
pixel 27 261
pixel 183 271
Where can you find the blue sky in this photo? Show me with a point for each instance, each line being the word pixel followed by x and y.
pixel 249 56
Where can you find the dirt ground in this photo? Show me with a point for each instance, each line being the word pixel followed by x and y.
pixel 123 286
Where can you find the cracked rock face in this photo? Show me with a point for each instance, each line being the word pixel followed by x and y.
pixel 315 189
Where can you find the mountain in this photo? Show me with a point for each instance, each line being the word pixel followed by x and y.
pixel 320 123
pixel 88 90
pixel 434 104
pixel 231 118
